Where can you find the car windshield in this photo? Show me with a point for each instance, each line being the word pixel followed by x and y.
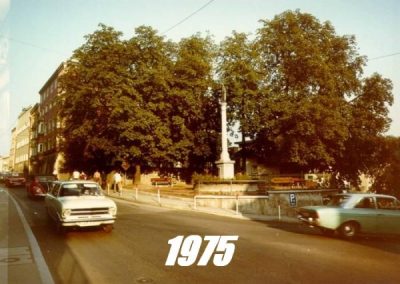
pixel 80 189
pixel 338 200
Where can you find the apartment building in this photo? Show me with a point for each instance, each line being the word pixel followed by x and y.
pixel 11 160
pixel 46 159
pixel 33 162
pixel 4 164
pixel 21 142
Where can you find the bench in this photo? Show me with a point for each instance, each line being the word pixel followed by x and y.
pixel 161 181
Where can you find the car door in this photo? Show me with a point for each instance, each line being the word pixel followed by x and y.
pixel 365 213
pixel 388 215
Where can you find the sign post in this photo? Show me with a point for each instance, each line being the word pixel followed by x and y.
pixel 125 165
pixel 292 199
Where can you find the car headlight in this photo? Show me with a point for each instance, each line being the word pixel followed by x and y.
pixel 66 213
pixel 112 211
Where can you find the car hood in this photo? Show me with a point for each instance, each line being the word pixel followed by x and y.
pixel 76 202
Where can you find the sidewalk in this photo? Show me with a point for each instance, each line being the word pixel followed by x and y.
pixel 161 199
pixel 21 260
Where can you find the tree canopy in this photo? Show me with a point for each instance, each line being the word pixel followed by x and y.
pixel 295 88
pixel 307 105
pixel 386 174
pixel 138 100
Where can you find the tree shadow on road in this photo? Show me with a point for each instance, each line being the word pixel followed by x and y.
pixel 388 243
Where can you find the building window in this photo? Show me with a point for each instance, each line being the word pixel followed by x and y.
pixel 40 128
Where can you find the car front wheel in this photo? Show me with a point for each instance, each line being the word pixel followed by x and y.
pixel 349 230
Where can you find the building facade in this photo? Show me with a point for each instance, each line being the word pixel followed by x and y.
pixel 22 138
pixel 4 164
pixel 33 164
pixel 46 158
pixel 11 160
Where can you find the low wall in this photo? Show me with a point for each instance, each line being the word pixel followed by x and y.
pixel 228 187
pixel 283 203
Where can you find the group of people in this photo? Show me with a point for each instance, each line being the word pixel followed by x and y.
pixel 116 179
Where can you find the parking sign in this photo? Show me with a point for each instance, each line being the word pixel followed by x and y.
pixel 292 199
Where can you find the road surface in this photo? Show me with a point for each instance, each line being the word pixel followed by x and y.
pixel 266 252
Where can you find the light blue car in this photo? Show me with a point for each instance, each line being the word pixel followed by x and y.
pixel 351 214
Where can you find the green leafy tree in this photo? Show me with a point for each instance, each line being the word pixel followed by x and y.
pixel 195 115
pixel 96 92
pixel 149 136
pixel 308 93
pixel 309 71
pixel 368 123
pixel 139 100
pixel 386 176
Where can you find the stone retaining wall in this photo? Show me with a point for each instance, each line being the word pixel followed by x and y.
pixel 274 204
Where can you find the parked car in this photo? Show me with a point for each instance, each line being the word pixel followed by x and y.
pixel 351 214
pixel 38 186
pixel 14 179
pixel 80 203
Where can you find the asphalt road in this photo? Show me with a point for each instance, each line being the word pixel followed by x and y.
pixel 266 252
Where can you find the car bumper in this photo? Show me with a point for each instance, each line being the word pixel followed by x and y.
pixel 87 223
pixel 309 221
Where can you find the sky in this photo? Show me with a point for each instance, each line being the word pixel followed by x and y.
pixel 37 35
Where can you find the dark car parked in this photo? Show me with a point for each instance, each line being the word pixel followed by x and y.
pixel 14 179
pixel 38 186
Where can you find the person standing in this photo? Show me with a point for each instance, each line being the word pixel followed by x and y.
pixel 117 181
pixel 83 176
pixel 75 175
pixel 97 177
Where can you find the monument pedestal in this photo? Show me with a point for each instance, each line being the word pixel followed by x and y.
pixel 225 169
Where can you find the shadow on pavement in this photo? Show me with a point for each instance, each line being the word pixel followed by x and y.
pixel 388 243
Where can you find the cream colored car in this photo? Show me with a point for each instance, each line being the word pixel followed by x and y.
pixel 80 203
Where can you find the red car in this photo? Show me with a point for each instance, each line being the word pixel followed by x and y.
pixel 38 186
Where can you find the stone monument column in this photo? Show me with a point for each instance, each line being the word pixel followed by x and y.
pixel 225 164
